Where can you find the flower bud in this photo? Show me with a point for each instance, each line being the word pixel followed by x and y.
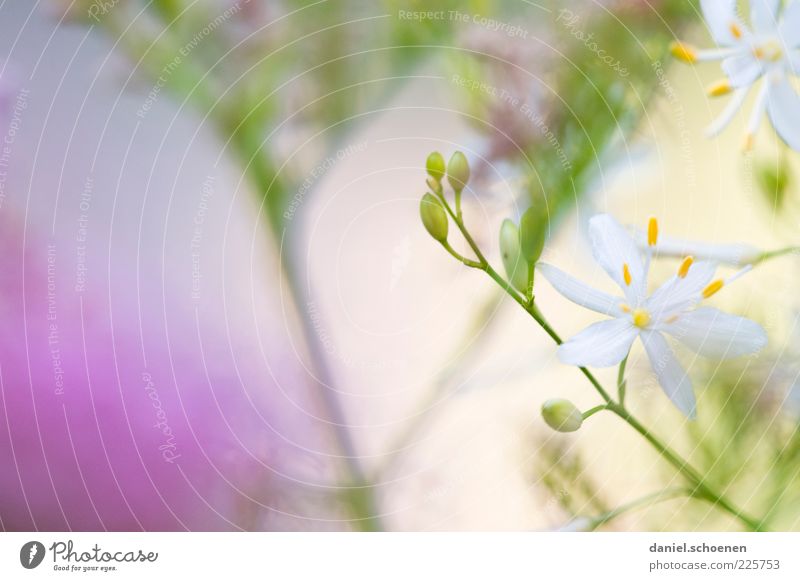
pixel 532 230
pixel 516 267
pixel 434 185
pixel 433 217
pixel 562 415
pixel 435 166
pixel 458 171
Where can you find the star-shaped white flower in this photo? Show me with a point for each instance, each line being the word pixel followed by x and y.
pixel 770 51
pixel 672 309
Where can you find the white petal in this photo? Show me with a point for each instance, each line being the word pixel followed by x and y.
pixel 732 254
pixel 613 247
pixel 678 294
pixel 759 108
pixel 764 15
pixel 742 69
pixel 718 335
pixel 602 344
pixel 673 379
pixel 579 292
pixel 790 25
pixel 720 15
pixel 783 106
pixel 793 63
pixel 730 111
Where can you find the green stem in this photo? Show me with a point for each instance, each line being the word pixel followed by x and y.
pixel 650 499
pixel 764 256
pixel 589 413
pixel 621 383
pixel 461 259
pixel 700 488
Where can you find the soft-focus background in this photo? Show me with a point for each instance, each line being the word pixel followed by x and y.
pixel 220 310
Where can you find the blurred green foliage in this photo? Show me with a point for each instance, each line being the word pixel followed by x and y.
pixel 747 443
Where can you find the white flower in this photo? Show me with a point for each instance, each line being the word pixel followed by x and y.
pixel 672 309
pixel 770 51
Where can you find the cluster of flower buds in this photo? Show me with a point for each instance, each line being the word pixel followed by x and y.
pixel 431 208
pixel 521 246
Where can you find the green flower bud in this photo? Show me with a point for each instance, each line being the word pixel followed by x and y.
pixel 434 185
pixel 458 171
pixel 435 165
pixel 433 217
pixel 532 230
pixel 562 415
pixel 516 267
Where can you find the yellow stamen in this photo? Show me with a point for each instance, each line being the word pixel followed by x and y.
pixel 683 52
pixel 683 270
pixel 624 308
pixel 713 288
pixel 749 142
pixel 652 232
pixel 671 319
pixel 626 274
pixel 736 30
pixel 720 88
pixel 771 51
pixel 641 318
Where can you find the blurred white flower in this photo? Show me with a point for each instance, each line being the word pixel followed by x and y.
pixel 671 309
pixel 770 51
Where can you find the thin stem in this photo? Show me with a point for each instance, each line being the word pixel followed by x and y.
pixel 649 500
pixel 589 413
pixel 701 489
pixel 621 383
pixel 461 259
pixel 765 256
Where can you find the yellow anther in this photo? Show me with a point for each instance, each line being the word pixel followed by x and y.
pixel 641 318
pixel 769 51
pixel 720 88
pixel 713 288
pixel 683 269
pixel 652 232
pixel 736 30
pixel 624 308
pixel 749 142
pixel 626 274
pixel 684 52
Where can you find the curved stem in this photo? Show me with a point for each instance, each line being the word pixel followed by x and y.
pixel 590 412
pixel 650 499
pixel 457 256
